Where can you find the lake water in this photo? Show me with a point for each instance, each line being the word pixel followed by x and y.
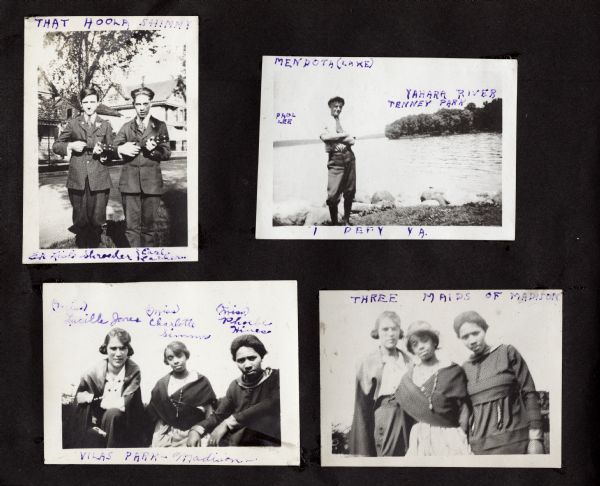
pixel 460 165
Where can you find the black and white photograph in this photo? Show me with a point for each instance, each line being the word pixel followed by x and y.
pixel 441 378
pixel 110 141
pixel 387 148
pixel 171 373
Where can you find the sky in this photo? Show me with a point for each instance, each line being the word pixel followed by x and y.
pixel 305 92
pixel 164 65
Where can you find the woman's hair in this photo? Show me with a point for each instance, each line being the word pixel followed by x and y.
pixel 420 328
pixel 469 316
pixel 177 348
pixel 85 92
pixel 248 341
pixel 122 335
pixel 395 318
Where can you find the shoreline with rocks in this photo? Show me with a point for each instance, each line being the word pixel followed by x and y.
pixel 382 208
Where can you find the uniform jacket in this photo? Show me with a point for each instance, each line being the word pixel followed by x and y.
pixel 85 164
pixel 142 173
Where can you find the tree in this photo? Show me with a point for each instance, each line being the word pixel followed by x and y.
pixel 491 116
pixel 92 59
pixel 449 121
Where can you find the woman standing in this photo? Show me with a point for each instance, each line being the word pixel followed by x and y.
pixel 109 401
pixel 434 393
pixel 506 411
pixel 180 400
pixel 88 139
pixel 380 427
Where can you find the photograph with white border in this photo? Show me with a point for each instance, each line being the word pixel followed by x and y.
pixel 110 144
pixel 191 373
pixel 441 378
pixel 387 148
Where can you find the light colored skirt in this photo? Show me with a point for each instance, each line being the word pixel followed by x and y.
pixel 430 440
pixel 167 436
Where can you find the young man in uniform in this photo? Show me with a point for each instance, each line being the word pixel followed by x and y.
pixel 88 138
pixel 142 143
pixel 341 164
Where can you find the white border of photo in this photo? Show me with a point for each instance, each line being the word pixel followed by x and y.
pixel 324 76
pixel 187 30
pixel 77 317
pixel 530 320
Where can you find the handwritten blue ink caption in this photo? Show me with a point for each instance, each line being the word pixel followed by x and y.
pixel 53 23
pixel 525 296
pixel 77 314
pixel 96 456
pixel 285 118
pixel 155 457
pixel 235 318
pixel 324 62
pixel 166 318
pixel 417 233
pixel 210 458
pixel 494 295
pixel 164 24
pixel 411 232
pixel 56 23
pixel 355 230
pixel 446 296
pixel 372 298
pixel 423 98
pixel 109 255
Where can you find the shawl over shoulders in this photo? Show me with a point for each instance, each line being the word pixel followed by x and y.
pixel 368 379
pixel 182 409
pixel 93 381
pixel 446 399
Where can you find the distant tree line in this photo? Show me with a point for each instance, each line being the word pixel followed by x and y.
pixel 449 121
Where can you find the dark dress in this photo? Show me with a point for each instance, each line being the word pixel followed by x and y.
pixel 256 408
pixel 505 402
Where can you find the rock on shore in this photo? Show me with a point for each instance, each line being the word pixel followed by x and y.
pixel 303 213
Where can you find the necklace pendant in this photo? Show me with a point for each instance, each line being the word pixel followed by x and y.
pixel 431 406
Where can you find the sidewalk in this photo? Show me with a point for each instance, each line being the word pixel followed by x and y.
pixel 55 207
